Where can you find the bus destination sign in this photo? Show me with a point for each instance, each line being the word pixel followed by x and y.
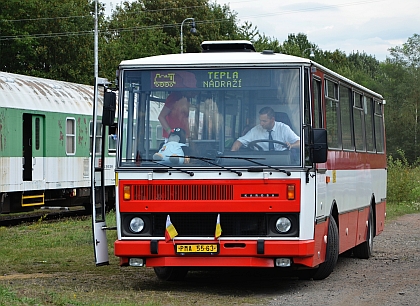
pixel 211 79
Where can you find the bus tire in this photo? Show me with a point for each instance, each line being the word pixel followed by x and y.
pixel 325 269
pixel 171 273
pixel 365 249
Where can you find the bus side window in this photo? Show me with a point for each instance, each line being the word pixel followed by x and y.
pixel 317 104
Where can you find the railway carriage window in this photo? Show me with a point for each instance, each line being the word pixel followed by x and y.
pixel 37 127
pixel 112 143
pixel 112 139
pixel 370 136
pixel 70 135
pixel 358 120
pixel 98 146
pixel 332 114
pixel 379 128
pixel 346 127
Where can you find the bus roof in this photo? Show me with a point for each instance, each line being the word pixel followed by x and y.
pixel 232 60
pixel 213 59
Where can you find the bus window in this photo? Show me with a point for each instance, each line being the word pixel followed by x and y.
pixel 379 128
pixel 359 120
pixel 346 126
pixel 318 115
pixel 370 136
pixel 212 112
pixel 332 114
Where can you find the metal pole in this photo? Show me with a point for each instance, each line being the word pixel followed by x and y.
pixel 96 40
pixel 95 74
pixel 182 36
pixel 95 108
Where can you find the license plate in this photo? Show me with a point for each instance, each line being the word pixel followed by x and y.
pixel 196 248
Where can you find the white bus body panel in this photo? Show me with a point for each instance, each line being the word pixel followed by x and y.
pixel 350 189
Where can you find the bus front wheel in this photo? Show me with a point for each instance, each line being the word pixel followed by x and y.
pixel 171 273
pixel 325 269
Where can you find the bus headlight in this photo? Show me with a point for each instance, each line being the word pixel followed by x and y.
pixel 136 225
pixel 283 225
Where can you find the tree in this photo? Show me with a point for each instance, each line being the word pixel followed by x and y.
pixel 297 45
pixel 152 27
pixel 51 39
pixel 401 76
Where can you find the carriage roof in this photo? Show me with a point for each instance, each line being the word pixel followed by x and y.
pixel 39 94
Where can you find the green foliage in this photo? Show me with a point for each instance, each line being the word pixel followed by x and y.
pixel 149 27
pixel 51 39
pixel 400 78
pixel 409 54
pixel 297 45
pixel 403 190
pixel 400 181
pixel 8 297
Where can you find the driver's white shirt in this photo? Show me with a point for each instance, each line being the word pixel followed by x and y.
pixel 281 132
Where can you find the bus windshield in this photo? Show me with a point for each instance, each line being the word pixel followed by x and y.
pixel 201 118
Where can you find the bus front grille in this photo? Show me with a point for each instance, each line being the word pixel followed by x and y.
pixel 191 192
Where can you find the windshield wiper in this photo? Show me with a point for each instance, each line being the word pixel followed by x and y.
pixel 209 160
pixel 190 173
pixel 252 160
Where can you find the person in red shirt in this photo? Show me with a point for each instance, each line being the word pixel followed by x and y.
pixel 175 113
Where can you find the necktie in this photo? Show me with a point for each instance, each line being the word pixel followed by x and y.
pixel 270 144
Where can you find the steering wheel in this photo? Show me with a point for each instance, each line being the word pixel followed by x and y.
pixel 254 146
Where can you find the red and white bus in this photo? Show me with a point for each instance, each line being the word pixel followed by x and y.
pixel 294 207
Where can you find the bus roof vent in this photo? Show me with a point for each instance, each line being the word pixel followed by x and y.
pixel 227 46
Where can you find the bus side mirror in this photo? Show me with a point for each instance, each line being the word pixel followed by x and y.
pixel 108 114
pixel 319 145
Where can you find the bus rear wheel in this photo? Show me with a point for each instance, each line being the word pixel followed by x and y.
pixel 171 273
pixel 365 249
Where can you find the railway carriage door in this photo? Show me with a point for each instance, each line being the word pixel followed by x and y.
pixel 37 148
pixel 33 147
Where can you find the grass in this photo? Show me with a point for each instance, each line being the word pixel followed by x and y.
pixel 52 263
pixel 67 243
pixel 61 253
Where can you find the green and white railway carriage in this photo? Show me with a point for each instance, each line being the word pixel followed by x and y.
pixel 45 139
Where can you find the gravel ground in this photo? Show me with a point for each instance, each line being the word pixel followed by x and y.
pixel 390 277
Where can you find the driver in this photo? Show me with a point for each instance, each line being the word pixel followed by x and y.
pixel 269 129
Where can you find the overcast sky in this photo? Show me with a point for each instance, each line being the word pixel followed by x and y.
pixel 371 26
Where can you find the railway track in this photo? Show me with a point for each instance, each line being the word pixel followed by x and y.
pixel 44 214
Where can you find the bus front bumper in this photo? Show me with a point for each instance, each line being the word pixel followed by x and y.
pixel 230 253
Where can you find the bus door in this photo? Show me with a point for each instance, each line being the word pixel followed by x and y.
pixel 322 207
pixel 101 119
pixel 33 148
